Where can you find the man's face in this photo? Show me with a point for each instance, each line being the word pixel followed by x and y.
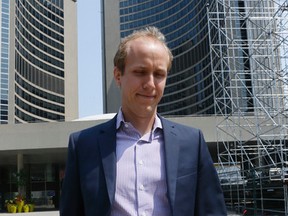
pixel 143 81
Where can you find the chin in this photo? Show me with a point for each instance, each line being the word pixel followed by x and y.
pixel 149 108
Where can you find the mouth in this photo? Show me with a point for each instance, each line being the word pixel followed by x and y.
pixel 150 97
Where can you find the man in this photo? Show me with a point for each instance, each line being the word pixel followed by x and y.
pixel 139 163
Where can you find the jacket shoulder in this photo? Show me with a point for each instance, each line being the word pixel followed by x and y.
pixel 178 126
pixel 94 130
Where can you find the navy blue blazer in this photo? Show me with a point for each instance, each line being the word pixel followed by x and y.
pixel 89 185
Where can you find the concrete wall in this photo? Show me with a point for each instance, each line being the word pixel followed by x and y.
pixel 55 135
pixel 71 60
pixel 47 142
pixel 111 39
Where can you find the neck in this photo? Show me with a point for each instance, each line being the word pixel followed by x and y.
pixel 142 124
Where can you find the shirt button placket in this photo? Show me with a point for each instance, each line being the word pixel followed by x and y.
pixel 141 188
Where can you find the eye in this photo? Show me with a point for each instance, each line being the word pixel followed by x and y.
pixel 139 72
pixel 160 74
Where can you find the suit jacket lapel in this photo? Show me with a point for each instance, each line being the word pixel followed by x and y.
pixel 171 158
pixel 107 144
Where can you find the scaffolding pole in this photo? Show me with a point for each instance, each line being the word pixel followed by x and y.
pixel 249 51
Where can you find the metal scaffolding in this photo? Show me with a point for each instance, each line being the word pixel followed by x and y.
pixel 249 55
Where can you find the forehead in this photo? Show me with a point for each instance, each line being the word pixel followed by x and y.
pixel 146 51
pixel 144 44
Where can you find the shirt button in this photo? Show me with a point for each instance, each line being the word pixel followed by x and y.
pixel 141 162
pixel 141 187
pixel 126 125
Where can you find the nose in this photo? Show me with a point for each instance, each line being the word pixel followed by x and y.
pixel 149 82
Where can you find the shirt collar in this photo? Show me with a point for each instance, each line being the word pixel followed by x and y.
pixel 120 121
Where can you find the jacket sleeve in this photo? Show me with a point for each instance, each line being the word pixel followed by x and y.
pixel 71 203
pixel 209 196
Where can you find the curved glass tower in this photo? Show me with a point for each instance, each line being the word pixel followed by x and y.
pixel 41 72
pixel 4 61
pixel 189 88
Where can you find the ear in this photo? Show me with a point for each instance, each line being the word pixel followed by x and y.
pixel 117 76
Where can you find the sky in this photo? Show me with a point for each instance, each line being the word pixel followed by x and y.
pixel 89 58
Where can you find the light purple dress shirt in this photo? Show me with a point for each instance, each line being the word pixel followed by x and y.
pixel 141 188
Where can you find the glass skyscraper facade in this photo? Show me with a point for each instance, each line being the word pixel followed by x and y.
pixel 4 61
pixel 39 61
pixel 37 81
pixel 189 88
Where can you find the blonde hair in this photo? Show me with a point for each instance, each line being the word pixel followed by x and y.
pixel 151 32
